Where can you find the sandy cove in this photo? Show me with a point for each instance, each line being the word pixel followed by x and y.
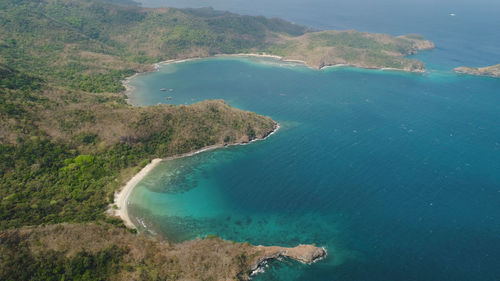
pixel 241 55
pixel 156 66
pixel 278 58
pixel 129 88
pixel 303 253
pixel 121 197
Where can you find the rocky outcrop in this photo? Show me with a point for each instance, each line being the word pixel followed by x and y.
pixel 303 253
pixel 490 71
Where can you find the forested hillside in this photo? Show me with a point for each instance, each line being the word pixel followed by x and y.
pixel 69 136
pixel 69 140
pixel 91 46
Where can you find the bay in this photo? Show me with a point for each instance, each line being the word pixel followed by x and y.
pixel 396 174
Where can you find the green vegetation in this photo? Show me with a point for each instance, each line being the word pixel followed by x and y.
pixel 91 46
pixel 346 39
pixel 19 263
pixel 15 80
pixel 98 82
pixel 490 71
pixel 46 181
pixel 366 50
pixel 69 140
pixel 104 252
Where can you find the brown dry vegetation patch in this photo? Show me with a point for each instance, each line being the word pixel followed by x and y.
pixel 360 49
pixel 112 121
pixel 151 258
pixel 146 258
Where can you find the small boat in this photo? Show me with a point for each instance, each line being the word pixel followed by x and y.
pixel 452 14
pixel 169 98
pixel 170 90
pixel 163 89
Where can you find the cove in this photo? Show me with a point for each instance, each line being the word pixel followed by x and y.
pixel 396 174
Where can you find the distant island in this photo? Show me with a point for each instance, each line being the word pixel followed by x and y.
pixel 490 71
pixel 70 140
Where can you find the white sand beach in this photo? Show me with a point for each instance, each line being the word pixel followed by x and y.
pixel 121 197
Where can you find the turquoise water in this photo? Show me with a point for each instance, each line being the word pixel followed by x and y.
pixel 397 174
pixel 469 38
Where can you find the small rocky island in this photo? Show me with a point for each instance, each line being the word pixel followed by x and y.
pixel 490 71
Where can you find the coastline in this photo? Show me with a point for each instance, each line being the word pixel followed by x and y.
pixel 492 71
pixel 122 195
pixel 305 254
pixel 304 63
pixel 156 66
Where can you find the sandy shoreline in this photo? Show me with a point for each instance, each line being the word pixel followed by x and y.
pixel 279 58
pixel 121 196
pixel 129 88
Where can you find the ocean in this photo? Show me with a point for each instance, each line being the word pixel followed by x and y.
pixel 396 174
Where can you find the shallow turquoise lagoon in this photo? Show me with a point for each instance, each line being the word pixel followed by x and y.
pixel 396 174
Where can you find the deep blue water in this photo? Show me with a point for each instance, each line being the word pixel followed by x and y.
pixel 397 174
pixel 470 38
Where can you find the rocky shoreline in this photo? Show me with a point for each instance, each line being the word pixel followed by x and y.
pixel 307 254
pixel 489 71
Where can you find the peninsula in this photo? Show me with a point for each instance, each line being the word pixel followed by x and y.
pixel 490 71
pixel 138 257
pixel 358 49
pixel 70 140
